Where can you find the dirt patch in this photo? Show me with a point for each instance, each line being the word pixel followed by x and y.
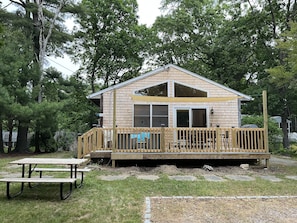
pixel 229 210
pixel 276 164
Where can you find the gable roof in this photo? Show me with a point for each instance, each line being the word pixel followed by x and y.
pixel 160 69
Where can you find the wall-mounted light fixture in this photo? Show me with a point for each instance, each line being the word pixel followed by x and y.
pixel 211 111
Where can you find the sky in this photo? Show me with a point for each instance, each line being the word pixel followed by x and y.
pixel 147 13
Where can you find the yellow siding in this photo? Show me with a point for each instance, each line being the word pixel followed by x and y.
pixel 225 113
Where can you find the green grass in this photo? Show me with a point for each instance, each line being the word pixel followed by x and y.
pixel 119 201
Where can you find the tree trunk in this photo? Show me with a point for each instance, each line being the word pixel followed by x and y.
pixel 37 140
pixel 1 138
pixel 284 126
pixel 22 138
pixel 10 128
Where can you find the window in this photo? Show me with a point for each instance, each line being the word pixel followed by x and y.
pixel 150 115
pixel 141 115
pixel 184 91
pixel 158 90
pixel 160 115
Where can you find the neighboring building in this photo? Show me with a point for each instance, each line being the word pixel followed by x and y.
pixel 170 96
pixel 278 120
pixel 5 136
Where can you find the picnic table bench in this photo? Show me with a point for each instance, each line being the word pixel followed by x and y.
pixel 22 180
pixel 33 162
pixel 45 169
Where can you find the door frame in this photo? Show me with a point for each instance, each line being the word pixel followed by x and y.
pixel 190 108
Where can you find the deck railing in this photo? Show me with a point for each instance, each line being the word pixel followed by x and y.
pixel 173 140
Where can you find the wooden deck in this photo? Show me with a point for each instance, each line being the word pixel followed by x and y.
pixel 174 143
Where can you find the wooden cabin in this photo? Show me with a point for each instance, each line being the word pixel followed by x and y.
pixel 171 113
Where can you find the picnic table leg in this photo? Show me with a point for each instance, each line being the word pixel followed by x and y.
pixel 73 173
pixel 9 196
pixel 30 173
pixel 62 195
pixel 23 170
pixel 81 180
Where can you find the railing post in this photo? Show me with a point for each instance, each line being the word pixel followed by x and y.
pixel 85 146
pixel 99 139
pixel 233 138
pixel 219 139
pixel 163 138
pixel 94 139
pixel 79 146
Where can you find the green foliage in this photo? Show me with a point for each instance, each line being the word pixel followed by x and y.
pixel 64 140
pixel 78 113
pixel 291 151
pixel 109 42
pixel 219 41
pixel 46 123
pixel 17 78
pixel 283 77
pixel 1 31
pixel 185 33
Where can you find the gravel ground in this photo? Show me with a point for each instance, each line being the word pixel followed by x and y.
pixel 229 210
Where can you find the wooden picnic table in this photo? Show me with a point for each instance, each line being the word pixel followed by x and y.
pixel 72 164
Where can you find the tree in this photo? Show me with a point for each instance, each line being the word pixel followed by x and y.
pixel 186 33
pixel 78 112
pixel 283 78
pixel 223 42
pixel 3 101
pixel 43 22
pixel 109 43
pixel 17 77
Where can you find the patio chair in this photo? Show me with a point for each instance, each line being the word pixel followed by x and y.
pixel 141 139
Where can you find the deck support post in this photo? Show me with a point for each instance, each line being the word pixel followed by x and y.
pixel 267 163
